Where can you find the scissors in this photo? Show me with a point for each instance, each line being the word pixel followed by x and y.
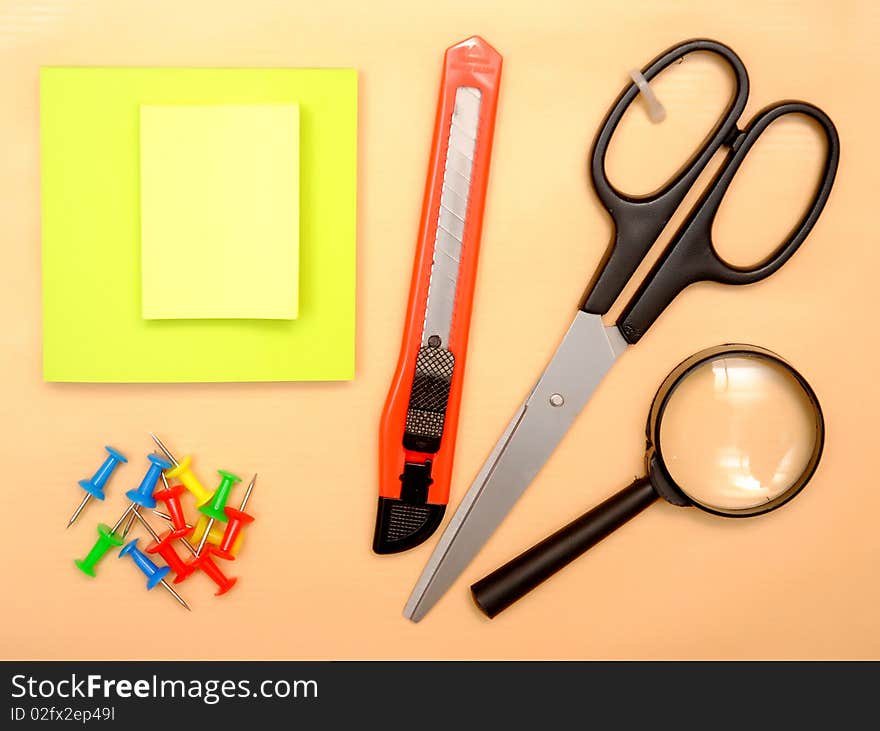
pixel 590 348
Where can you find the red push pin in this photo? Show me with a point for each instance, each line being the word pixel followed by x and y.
pixel 163 546
pixel 238 519
pixel 204 562
pixel 170 498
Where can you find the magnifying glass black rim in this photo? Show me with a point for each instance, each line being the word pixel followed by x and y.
pixel 682 371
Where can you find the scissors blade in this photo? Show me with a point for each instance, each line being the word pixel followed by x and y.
pixel 586 354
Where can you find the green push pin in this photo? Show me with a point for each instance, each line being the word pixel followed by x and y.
pixel 107 539
pixel 215 509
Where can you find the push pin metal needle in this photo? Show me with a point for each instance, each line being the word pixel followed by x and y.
pixel 167 452
pixel 127 529
pixel 215 536
pixel 247 493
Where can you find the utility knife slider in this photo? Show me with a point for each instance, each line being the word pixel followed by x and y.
pixel 420 418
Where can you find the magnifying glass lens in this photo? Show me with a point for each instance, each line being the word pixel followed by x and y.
pixel 738 432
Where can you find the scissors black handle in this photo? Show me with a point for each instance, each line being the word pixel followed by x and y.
pixel 690 256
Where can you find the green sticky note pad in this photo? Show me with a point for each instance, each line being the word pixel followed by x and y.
pixel 219 211
pixel 94 286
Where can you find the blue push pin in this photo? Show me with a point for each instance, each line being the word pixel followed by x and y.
pixel 155 574
pixel 143 496
pixel 95 486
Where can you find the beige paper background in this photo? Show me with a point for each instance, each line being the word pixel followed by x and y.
pixel 800 583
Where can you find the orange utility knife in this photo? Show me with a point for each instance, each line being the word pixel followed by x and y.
pixel 419 422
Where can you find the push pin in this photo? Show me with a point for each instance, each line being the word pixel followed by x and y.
pixel 143 496
pixel 107 539
pixel 237 519
pixel 206 564
pixel 215 509
pixel 155 574
pixel 95 486
pixel 183 471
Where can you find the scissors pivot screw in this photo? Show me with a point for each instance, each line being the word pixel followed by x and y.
pixel 557 399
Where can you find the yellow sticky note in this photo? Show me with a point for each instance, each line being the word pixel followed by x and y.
pixel 93 324
pixel 219 211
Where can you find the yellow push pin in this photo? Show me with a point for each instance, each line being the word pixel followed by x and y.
pixel 183 472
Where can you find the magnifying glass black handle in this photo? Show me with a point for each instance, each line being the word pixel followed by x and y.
pixel 497 591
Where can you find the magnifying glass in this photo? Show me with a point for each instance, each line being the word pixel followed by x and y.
pixel 734 430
